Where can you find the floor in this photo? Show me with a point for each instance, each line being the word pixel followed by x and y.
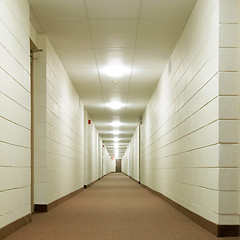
pixel 115 208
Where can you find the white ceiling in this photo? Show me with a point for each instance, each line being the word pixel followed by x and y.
pixel 88 35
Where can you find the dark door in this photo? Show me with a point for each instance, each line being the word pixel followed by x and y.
pixel 118 165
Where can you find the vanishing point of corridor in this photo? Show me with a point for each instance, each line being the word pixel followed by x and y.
pixel 114 208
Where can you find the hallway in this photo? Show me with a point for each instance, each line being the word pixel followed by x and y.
pixel 116 207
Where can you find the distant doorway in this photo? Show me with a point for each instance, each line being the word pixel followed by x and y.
pixel 118 165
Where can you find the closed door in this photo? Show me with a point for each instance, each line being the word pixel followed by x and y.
pixel 118 165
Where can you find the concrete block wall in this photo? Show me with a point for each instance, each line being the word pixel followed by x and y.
pixel 15 112
pixel 86 181
pixel 40 122
pixel 100 157
pixel 59 129
pixel 130 161
pixel 105 156
pixel 135 155
pixel 130 158
pixel 93 152
pixel 112 166
pixel 189 131
pixel 125 161
pixel 229 66
pixel 58 125
pixel 64 130
pixel 109 165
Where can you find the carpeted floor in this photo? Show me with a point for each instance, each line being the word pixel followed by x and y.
pixel 114 208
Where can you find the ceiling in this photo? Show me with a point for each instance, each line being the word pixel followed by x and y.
pixel 90 36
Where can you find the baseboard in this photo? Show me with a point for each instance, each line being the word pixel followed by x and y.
pixel 14 226
pixel 88 185
pixel 92 183
pixel 218 230
pixel 132 178
pixel 47 207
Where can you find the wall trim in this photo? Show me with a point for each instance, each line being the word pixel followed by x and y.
pixel 48 207
pixel 88 185
pixel 216 229
pixel 14 226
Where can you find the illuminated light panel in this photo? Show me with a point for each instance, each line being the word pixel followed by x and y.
pixel 116 139
pixel 116 124
pixel 115 105
pixel 116 132
pixel 116 71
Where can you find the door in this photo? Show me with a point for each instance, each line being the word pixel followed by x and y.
pixel 118 165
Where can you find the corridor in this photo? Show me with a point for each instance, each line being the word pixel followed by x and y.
pixel 150 88
pixel 114 208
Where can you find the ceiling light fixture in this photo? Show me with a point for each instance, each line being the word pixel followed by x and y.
pixel 116 139
pixel 116 124
pixel 116 132
pixel 115 105
pixel 116 70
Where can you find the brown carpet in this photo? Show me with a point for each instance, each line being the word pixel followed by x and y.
pixel 114 208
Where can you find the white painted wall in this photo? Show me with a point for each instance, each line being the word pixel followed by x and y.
pixel 229 91
pixel 112 166
pixel 100 157
pixel 135 154
pixel 190 132
pixel 86 181
pixel 109 165
pixel 59 131
pixel 125 162
pixel 105 157
pixel 188 135
pixel 130 160
pixel 93 152
pixel 15 115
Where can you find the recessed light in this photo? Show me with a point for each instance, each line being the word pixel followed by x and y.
pixel 116 70
pixel 116 124
pixel 115 105
pixel 116 132
pixel 116 139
